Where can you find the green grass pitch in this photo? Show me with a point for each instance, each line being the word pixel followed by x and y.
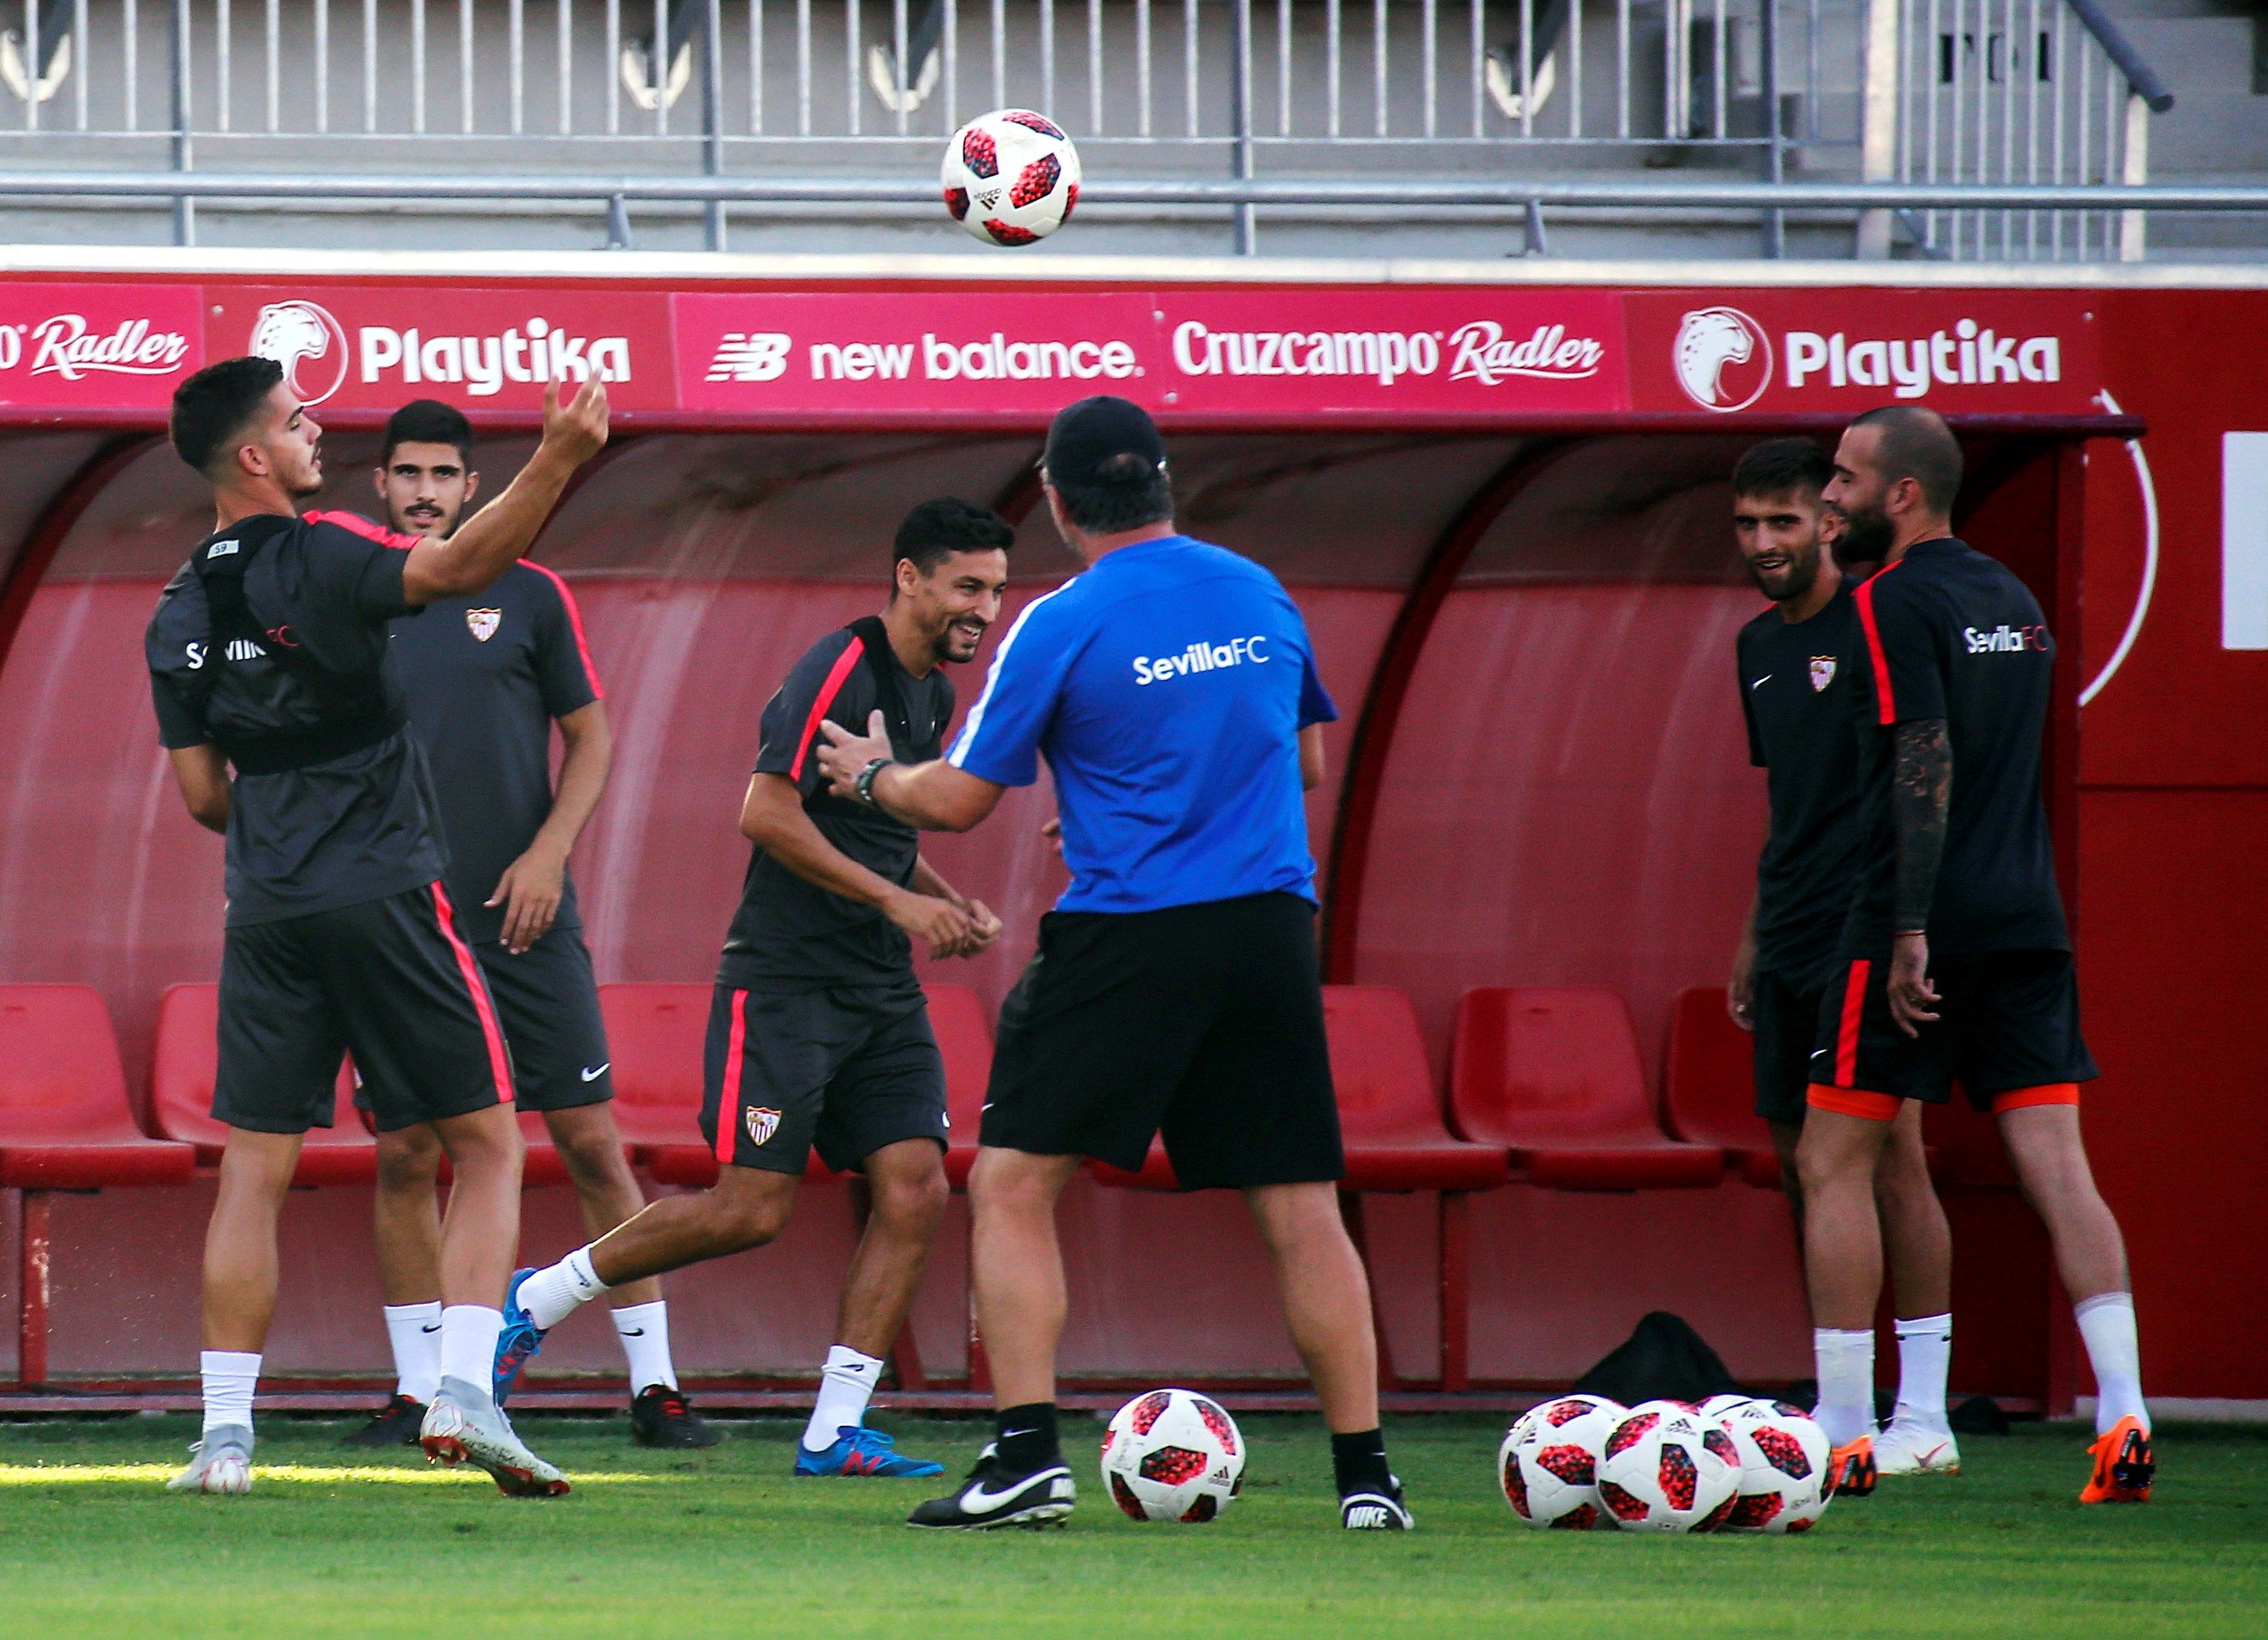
pixel 724 1543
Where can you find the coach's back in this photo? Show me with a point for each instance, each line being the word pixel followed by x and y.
pixel 1166 686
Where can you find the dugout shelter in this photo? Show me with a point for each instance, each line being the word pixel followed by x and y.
pixel 1497 491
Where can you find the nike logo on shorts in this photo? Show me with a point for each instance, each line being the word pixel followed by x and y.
pixel 595 1071
pixel 1760 682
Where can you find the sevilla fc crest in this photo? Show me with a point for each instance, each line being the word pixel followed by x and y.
pixel 763 1124
pixel 1822 671
pixel 484 622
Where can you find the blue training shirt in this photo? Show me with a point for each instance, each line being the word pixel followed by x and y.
pixel 1166 686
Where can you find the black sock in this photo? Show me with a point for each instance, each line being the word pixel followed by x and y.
pixel 1358 1462
pixel 1028 1438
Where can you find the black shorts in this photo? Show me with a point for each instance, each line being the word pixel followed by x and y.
pixel 844 1070
pixel 2008 1022
pixel 1786 1015
pixel 548 1002
pixel 389 980
pixel 1204 1023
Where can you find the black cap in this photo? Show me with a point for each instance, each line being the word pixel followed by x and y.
pixel 1088 440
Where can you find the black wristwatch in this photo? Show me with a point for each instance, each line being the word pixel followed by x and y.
pixel 863 785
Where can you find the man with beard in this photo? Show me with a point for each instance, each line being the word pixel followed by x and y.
pixel 1955 964
pixel 486 674
pixel 270 652
pixel 1797 660
pixel 818 1032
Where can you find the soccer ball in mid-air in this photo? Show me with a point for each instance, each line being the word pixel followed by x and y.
pixel 1173 1455
pixel 1011 176
pixel 1548 1465
pixel 1783 1484
pixel 1669 1467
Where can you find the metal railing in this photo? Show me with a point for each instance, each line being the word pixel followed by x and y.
pixel 2024 92
pixel 816 95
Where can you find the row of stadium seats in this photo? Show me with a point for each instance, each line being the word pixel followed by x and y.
pixel 1546 1085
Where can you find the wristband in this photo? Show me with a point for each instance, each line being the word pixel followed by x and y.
pixel 863 785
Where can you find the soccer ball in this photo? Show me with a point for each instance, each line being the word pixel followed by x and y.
pixel 1173 1455
pixel 1011 176
pixel 1783 1484
pixel 1668 1467
pixel 1548 1465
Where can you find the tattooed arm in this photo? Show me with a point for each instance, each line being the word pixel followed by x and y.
pixel 1921 793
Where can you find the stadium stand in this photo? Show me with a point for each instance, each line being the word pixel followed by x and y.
pixel 1553 1075
pixel 64 1125
pixel 1710 1089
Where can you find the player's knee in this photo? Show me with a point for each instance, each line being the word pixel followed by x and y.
pixel 593 1161
pixel 744 1218
pixel 912 1202
pixel 407 1160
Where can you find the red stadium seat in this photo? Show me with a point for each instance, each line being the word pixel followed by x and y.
pixel 182 1058
pixel 64 1125
pixel 1553 1075
pixel 1712 1087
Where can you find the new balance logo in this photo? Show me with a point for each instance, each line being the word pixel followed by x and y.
pixel 750 355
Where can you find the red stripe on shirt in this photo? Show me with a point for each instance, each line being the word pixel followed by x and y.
pixel 499 1062
pixel 1846 1041
pixel 1886 708
pixel 827 691
pixel 575 620
pixel 356 523
pixel 728 1099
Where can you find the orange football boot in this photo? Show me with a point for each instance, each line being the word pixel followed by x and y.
pixel 2123 1465
pixel 1851 1469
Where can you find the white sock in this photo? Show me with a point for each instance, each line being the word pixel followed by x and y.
pixel 468 1344
pixel 1924 1351
pixel 846 1384
pixel 643 1329
pixel 550 1296
pixel 1847 1383
pixel 229 1378
pixel 2106 1322
pixel 415 1331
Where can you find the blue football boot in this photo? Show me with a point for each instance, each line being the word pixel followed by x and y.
pixel 859 1451
pixel 520 1339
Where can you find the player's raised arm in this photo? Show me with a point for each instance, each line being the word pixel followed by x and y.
pixel 496 537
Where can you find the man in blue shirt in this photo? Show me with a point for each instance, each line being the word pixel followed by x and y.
pixel 1173 690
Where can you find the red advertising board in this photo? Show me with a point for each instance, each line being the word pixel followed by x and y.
pixel 749 353
pixel 97 347
pixel 2015 352
pixel 1424 353
pixel 1468 351
pixel 486 347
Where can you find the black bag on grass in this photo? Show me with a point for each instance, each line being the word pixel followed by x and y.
pixel 1663 1359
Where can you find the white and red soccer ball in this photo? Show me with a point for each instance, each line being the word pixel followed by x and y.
pixel 1548 1465
pixel 1669 1467
pixel 1173 1455
pixel 1011 176
pixel 1784 1453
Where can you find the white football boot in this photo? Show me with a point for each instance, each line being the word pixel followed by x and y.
pixel 463 1425
pixel 221 1463
pixel 1908 1447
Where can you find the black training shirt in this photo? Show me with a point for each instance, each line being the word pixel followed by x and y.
pixel 1795 681
pixel 484 676
pixel 1950 633
pixel 357 828
pixel 791 934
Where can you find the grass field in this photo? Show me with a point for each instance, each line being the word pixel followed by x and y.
pixel 724 1542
